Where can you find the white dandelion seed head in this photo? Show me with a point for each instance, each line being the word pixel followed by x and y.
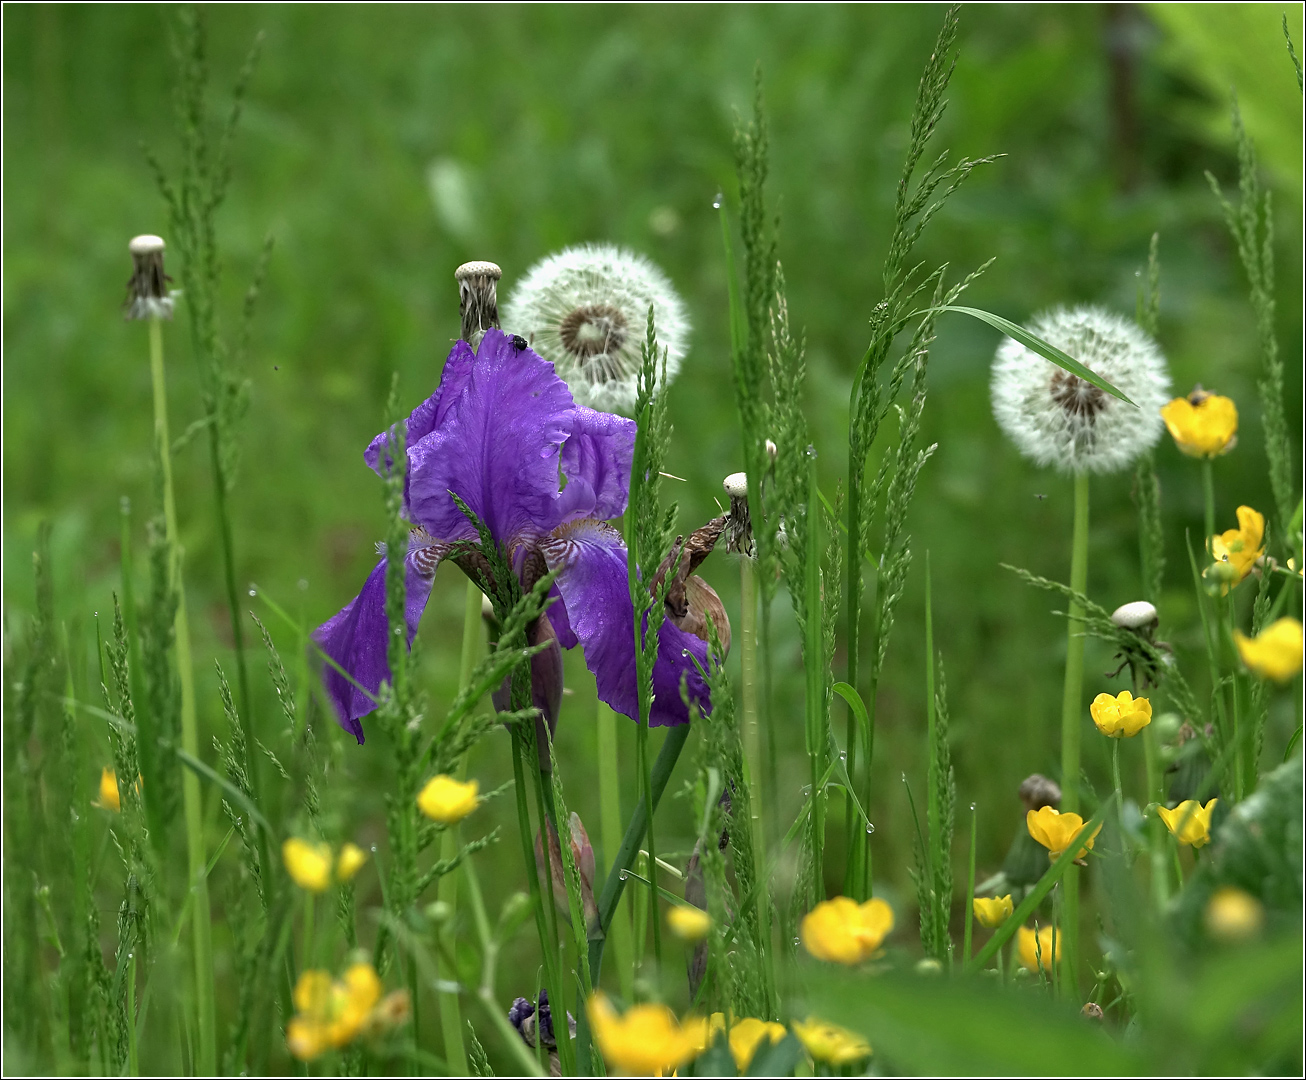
pixel 586 310
pixel 1058 419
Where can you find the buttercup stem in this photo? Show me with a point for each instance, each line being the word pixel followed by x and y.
pixel 1115 773
pixel 1071 722
pixel 1208 494
pixel 201 928
pixel 970 895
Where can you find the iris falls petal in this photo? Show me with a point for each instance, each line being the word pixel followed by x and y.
pixel 590 559
pixel 355 637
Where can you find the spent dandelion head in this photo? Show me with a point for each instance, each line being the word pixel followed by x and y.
pixel 585 309
pixel 147 290
pixel 739 529
pixel 478 300
pixel 1058 419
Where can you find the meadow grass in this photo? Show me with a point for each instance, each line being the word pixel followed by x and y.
pixel 138 940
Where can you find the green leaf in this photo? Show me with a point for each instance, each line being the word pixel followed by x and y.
pixel 776 1059
pixel 968 1027
pixel 1051 352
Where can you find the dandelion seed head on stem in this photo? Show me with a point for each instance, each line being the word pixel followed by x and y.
pixel 585 310
pixel 1056 418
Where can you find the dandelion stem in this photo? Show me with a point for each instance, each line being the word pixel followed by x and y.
pixel 1071 721
pixel 610 834
pixel 206 1051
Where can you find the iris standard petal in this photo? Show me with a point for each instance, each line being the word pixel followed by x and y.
pixel 495 443
pixel 590 559
pixel 430 413
pixel 598 455
pixel 355 637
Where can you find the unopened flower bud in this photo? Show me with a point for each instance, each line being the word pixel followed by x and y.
pixel 929 966
pixel 1135 615
pixel 1038 791
pixel 439 912
pixel 147 291
pixel 772 451
pixel 478 301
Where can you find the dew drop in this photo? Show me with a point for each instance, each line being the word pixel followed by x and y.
pixel 797 942
pixel 253 592
pixel 972 808
pixel 843 756
pixel 302 584
pixel 870 828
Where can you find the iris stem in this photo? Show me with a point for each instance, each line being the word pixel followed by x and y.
pixel 206 1062
pixel 1071 723
pixel 610 834
pixel 451 1021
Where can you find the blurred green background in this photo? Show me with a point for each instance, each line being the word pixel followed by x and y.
pixel 382 146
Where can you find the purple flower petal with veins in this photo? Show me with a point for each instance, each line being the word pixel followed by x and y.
pixel 503 433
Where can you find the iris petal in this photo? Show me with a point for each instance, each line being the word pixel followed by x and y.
pixel 356 637
pixel 591 563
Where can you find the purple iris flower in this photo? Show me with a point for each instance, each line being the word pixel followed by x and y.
pixel 544 475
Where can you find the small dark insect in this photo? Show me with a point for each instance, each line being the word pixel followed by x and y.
pixel 518 342
pixel 1040 498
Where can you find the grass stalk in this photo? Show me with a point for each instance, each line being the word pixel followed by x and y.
pixel 752 735
pixel 1071 721
pixel 610 833
pixel 814 665
pixel 451 1021
pixel 970 891
pixel 201 928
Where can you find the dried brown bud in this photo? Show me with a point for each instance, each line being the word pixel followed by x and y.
pixel 478 301
pixel 1038 791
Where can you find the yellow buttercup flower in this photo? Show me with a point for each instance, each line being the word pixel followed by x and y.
pixel 349 862
pixel 690 924
pixel 447 800
pixel 1055 830
pixel 747 1035
pixel 331 1014
pixel 109 791
pixel 1239 549
pixel 844 931
pixel 830 1043
pixel 1274 653
pixel 309 865
pixel 1122 716
pixel 1038 949
pixel 993 911
pixel 1233 915
pixel 1190 822
pixel 1202 424
pixel 646 1039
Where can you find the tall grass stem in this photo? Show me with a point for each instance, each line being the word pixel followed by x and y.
pixel 205 1062
pixel 610 833
pixel 753 735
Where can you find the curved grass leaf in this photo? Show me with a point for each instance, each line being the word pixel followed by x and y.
pixel 1030 341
